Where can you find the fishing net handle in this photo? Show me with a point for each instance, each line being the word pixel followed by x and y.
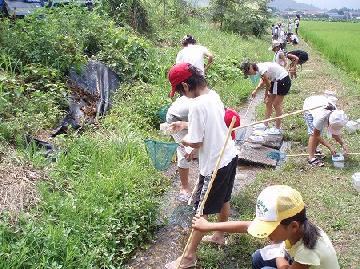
pixel 213 176
pixel 279 117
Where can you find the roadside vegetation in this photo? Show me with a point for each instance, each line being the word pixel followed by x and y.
pixel 99 200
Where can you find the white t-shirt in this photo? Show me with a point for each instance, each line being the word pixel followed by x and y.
pixel 294 37
pixel 320 115
pixel 277 58
pixel 273 70
pixel 179 111
pixel 193 54
pixel 206 125
pixel 323 256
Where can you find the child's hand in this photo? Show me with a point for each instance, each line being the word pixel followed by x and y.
pixel 253 94
pixel 178 126
pixel 201 224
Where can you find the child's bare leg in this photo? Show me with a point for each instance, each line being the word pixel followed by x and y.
pixel 277 103
pixel 222 217
pixel 190 253
pixel 269 107
pixel 184 178
pixel 312 145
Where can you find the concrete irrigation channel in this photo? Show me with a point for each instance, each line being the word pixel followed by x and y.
pixel 170 239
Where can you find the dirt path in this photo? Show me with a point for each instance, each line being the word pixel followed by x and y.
pixel 17 183
pixel 171 238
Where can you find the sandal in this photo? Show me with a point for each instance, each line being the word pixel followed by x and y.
pixel 210 239
pixel 175 264
pixel 316 162
pixel 319 154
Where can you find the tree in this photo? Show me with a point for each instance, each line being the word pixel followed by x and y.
pixel 246 17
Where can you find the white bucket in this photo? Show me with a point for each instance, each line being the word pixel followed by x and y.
pixel 356 181
pixel 338 160
pixel 352 126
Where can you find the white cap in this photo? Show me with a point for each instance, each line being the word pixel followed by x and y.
pixel 337 121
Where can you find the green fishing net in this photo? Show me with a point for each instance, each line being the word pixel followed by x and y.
pixel 160 153
pixel 162 113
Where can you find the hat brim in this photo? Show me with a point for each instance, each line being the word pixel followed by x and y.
pixel 261 229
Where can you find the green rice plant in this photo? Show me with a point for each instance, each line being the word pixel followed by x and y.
pixel 338 41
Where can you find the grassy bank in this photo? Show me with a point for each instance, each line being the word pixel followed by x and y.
pixel 100 200
pixel 338 41
pixel 331 200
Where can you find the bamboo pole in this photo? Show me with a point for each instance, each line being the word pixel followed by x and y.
pixel 213 176
pixel 279 117
pixel 306 154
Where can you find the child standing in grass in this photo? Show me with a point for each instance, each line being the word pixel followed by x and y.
pixel 206 132
pixel 297 57
pixel 316 121
pixel 179 111
pixel 277 82
pixel 194 54
pixel 281 216
pixel 280 55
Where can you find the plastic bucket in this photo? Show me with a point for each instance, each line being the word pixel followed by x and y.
pixel 352 126
pixel 338 160
pixel 356 181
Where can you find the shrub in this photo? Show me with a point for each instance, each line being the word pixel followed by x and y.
pixel 244 17
pixel 67 37
pixel 30 102
pixel 129 12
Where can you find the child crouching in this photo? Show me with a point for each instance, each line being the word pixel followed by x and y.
pixel 281 216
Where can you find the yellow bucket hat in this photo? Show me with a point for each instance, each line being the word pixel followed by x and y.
pixel 274 204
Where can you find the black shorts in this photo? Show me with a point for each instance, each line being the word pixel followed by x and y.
pixel 221 189
pixel 283 86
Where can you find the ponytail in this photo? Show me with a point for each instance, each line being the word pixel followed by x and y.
pixel 311 232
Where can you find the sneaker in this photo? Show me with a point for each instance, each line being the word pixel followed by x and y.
pixel 315 162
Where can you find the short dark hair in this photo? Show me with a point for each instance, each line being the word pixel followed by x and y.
pixel 188 39
pixel 245 67
pixel 196 80
pixel 311 232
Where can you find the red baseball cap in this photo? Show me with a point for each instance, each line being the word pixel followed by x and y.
pixel 229 114
pixel 178 73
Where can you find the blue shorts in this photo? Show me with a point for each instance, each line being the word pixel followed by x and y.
pixel 309 120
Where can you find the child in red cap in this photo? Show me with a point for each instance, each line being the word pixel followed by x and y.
pixel 207 132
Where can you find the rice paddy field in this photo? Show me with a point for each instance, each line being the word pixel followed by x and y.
pixel 338 41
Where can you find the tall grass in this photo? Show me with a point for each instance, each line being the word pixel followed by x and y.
pixel 100 202
pixel 338 41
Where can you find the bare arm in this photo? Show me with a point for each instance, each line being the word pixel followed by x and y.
pixel 261 85
pixel 327 144
pixel 210 58
pixel 282 57
pixel 193 145
pixel 341 142
pixel 293 58
pixel 201 224
pixel 282 263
